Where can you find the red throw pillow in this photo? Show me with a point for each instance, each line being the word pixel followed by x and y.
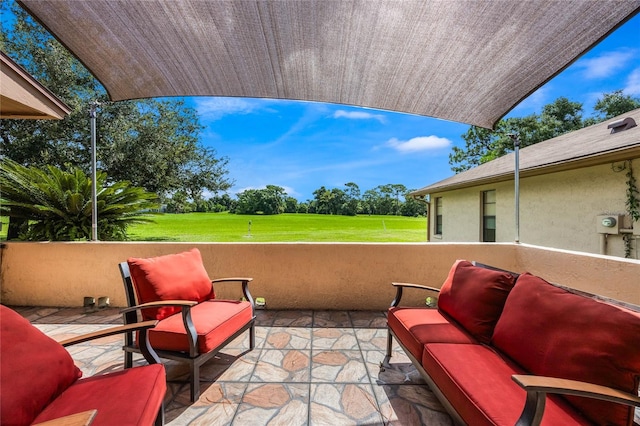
pixel 474 297
pixel 34 369
pixel 171 277
pixel 552 332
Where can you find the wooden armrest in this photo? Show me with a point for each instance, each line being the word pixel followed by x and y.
pixel 418 286
pixel 187 321
pixel 231 279
pixel 245 287
pixel 147 350
pixel 574 387
pixel 109 332
pixel 128 329
pixel 84 418
pixel 538 386
pixel 160 304
pixel 400 286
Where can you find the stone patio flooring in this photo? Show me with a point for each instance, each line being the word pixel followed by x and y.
pixel 308 368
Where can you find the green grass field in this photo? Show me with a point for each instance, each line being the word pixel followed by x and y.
pixel 225 227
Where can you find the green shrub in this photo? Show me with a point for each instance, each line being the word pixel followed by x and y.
pixel 50 204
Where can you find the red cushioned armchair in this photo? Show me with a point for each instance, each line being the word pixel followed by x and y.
pixel 192 324
pixel 40 384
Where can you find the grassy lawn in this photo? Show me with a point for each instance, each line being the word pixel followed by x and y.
pixel 225 227
pixel 4 223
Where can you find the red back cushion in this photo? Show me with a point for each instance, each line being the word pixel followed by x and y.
pixel 553 332
pixel 172 277
pixel 474 297
pixel 34 369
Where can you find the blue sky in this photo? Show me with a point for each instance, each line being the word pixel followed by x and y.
pixel 302 146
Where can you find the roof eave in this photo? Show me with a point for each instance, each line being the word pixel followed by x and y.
pixel 23 97
pixel 620 154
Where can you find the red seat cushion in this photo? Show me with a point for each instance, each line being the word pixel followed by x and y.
pixel 552 332
pixel 478 383
pixel 127 397
pixel 179 276
pixel 474 297
pixel 215 321
pixel 34 369
pixel 416 326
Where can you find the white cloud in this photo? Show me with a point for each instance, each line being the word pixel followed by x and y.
pixel 605 65
pixel 633 83
pixel 421 143
pixel 216 108
pixel 358 115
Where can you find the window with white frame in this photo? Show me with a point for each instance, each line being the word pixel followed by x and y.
pixel 438 216
pixel 489 216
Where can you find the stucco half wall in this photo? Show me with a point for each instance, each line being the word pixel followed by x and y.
pixel 299 275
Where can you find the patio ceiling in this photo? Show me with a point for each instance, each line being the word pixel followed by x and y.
pixel 459 60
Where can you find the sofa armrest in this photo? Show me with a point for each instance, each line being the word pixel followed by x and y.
pixel 84 418
pixel 245 286
pixel 400 286
pixel 146 349
pixel 538 387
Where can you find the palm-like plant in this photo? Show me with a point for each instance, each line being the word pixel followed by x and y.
pixel 56 205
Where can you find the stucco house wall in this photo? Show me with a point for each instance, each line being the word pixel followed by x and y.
pixel 556 210
pixel 565 184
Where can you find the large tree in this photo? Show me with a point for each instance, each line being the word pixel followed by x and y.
pixel 152 143
pixel 270 200
pixel 559 117
pixel 352 206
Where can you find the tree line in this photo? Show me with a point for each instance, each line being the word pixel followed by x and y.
pixel 389 199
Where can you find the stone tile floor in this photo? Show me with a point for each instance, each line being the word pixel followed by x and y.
pixel 308 368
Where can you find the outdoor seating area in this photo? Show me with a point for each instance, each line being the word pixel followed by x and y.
pixel 41 384
pixel 307 368
pixel 317 356
pixel 192 324
pixel 328 344
pixel 524 334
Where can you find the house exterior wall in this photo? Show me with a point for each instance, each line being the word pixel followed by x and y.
pixel 462 220
pixel 556 210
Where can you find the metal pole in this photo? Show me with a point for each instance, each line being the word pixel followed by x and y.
pixel 94 172
pixel 516 144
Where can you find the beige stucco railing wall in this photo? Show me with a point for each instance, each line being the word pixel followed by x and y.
pixel 298 275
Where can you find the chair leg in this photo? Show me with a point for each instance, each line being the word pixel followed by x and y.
pixel 128 359
pixel 252 337
pixel 387 358
pixel 195 382
pixel 160 418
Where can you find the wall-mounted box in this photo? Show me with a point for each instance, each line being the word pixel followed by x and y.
pixel 609 224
